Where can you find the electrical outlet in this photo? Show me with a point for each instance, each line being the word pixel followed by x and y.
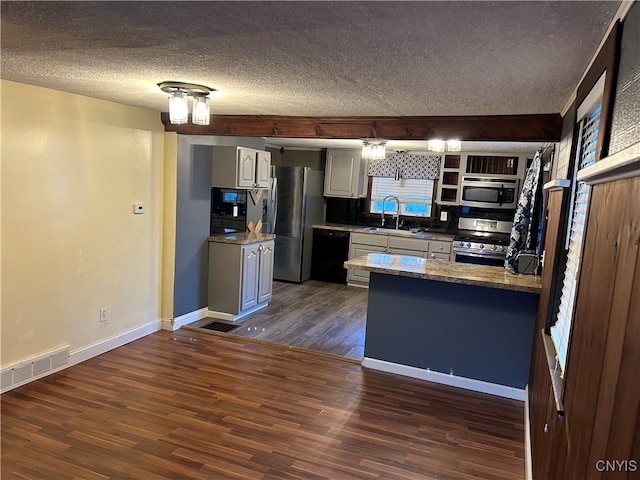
pixel 444 216
pixel 104 314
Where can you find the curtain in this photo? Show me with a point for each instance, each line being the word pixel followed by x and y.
pixel 521 232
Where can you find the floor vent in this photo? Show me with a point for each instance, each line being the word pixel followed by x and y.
pixel 220 327
pixel 34 368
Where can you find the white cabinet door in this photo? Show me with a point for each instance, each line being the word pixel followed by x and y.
pixel 246 168
pixel 342 174
pixel 265 275
pixel 263 169
pixel 250 266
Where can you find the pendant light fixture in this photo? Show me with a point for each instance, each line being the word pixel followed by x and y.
pixel 200 115
pixel 178 107
pixel 373 149
pixel 179 93
pixel 454 145
pixel 439 146
pixel 436 145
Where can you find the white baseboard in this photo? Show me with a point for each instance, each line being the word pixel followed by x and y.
pixel 231 317
pixel 452 380
pixel 54 361
pixel 34 368
pixel 528 461
pixel 186 319
pixel 85 353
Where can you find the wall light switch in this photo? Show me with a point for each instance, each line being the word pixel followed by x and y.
pixel 444 215
pixel 138 208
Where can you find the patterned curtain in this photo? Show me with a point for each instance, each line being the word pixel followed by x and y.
pixel 411 166
pixel 520 232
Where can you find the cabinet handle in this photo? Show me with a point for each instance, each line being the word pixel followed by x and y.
pixel 433 255
pixel 546 428
pixel 260 247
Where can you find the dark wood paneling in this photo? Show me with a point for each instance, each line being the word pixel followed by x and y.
pixel 516 128
pixel 554 255
pixel 545 445
pixel 602 394
pixel 610 404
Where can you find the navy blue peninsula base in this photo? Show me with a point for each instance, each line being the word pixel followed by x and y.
pixel 465 325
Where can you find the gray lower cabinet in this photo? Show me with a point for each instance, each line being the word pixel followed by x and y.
pixel 240 278
pixel 439 250
pixel 365 243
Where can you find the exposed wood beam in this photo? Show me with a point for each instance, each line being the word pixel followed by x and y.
pixel 508 128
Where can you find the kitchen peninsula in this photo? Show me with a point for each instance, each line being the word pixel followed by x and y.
pixel 455 323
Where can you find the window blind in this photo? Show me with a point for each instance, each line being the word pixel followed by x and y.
pixel 415 196
pixel 561 330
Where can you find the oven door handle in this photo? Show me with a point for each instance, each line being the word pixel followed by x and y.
pixel 464 253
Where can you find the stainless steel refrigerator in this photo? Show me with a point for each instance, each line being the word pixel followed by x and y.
pixel 295 205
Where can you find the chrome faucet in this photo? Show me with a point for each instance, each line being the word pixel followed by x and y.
pixel 396 215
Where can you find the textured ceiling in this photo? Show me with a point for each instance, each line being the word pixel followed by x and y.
pixel 311 58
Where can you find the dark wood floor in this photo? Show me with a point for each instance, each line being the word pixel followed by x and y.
pixel 324 317
pixel 187 405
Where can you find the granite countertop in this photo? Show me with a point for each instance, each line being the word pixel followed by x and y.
pixel 429 235
pixel 444 271
pixel 242 238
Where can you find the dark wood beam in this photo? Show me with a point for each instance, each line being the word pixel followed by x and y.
pixel 508 128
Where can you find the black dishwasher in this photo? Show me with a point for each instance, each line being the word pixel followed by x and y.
pixel 330 251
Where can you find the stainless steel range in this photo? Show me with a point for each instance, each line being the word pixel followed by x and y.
pixel 482 241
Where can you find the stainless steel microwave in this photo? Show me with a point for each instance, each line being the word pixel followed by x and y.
pixel 490 192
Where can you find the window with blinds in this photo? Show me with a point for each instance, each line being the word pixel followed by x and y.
pixel 587 155
pixel 415 196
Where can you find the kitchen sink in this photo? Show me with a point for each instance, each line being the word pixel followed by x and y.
pixel 397 231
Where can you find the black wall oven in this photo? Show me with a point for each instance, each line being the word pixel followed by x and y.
pixel 490 192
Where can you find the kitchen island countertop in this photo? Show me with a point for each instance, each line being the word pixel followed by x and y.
pixel 242 238
pixel 441 270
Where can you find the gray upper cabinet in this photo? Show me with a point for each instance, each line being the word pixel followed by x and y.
pixel 240 167
pixel 345 174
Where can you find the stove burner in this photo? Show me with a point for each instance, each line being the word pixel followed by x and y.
pixel 479 244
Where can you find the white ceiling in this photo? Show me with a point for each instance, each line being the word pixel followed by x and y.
pixel 346 58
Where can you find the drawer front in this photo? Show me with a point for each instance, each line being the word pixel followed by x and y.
pixel 418 244
pixel 439 247
pixel 439 256
pixel 410 253
pixel 369 239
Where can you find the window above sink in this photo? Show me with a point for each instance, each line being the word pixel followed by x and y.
pixel 415 196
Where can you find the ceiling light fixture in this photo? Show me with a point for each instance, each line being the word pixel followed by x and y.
pixel 373 149
pixel 436 145
pixel 179 104
pixel 454 145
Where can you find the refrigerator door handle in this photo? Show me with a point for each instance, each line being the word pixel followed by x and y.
pixel 272 212
pixel 304 201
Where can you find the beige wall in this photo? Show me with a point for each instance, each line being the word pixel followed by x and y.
pixel 170 185
pixel 72 168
